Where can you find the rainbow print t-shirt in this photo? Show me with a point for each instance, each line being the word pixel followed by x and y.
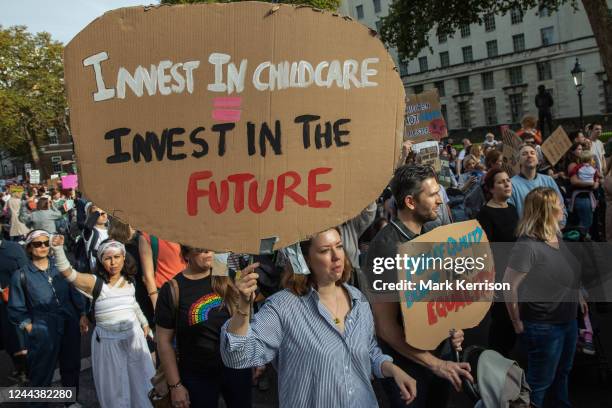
pixel 200 309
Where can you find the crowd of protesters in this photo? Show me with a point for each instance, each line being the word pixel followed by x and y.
pixel 69 269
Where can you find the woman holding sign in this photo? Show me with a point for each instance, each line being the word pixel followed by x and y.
pixel 548 275
pixel 319 331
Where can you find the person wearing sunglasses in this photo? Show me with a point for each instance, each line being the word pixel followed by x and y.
pixel 50 312
pixel 94 232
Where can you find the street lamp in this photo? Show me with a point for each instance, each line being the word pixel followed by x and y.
pixel 577 74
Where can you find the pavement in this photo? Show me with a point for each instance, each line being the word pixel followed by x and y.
pixel 587 387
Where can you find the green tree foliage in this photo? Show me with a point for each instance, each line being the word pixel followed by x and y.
pixel 31 90
pixel 320 4
pixel 410 23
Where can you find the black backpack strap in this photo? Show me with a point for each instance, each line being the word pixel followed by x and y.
pixel 95 293
pixel 24 288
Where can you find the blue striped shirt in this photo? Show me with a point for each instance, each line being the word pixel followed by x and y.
pixel 318 366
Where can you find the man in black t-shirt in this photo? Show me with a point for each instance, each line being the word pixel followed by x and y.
pixel 417 197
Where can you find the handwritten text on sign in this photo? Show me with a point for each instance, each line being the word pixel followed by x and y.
pixel 168 77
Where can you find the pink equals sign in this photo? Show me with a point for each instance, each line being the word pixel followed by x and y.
pixel 226 109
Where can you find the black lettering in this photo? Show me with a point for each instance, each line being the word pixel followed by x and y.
pixel 305 120
pixel 251 138
pixel 338 133
pixel 118 156
pixel 144 147
pixel 273 138
pixel 222 128
pixel 171 143
pixel 327 135
pixel 193 138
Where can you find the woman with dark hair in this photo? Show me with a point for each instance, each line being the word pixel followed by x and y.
pixel 547 275
pixel 499 219
pixel 121 364
pixel 43 218
pixel 205 302
pixel 48 310
pixel 319 332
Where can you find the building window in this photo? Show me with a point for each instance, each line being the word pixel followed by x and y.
pixel 442 38
pixel 467 54
pixel 489 22
pixel 463 84
pixel 607 95
pixel 439 85
pixel 404 68
pixel 465 31
pixel 515 75
pixel 492 48
pixel 52 134
pixel 444 113
pixel 423 64
pixel 516 16
pixel 57 167
pixel 378 25
pixel 444 59
pixel 359 12
pixel 377 6
pixel 487 81
pixel 544 71
pixel 417 89
pixel 548 34
pixel 516 107
pixel 464 114
pixel 518 41
pixel 544 11
pixel 490 111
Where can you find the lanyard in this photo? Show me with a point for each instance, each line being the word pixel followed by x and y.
pixel 50 281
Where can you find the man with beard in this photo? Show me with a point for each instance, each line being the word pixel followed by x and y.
pixel 417 197
pixel 529 178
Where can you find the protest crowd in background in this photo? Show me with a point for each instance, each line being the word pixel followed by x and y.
pixel 69 269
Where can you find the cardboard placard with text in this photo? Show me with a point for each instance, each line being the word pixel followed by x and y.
pixel 424 120
pixel 556 145
pixel 428 154
pixel 429 312
pixel 510 151
pixel 218 125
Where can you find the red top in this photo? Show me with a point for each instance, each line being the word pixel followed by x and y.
pixel 169 260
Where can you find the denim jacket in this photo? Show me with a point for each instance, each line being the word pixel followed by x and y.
pixel 51 298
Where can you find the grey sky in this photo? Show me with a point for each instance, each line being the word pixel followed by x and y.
pixel 62 18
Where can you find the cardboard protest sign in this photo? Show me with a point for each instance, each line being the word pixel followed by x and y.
pixel 70 181
pixel 218 125
pixel 429 311
pixel 556 145
pixel 510 151
pixel 445 173
pixel 424 120
pixel 428 154
pixel 34 176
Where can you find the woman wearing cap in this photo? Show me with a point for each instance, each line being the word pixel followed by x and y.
pixel 205 301
pixel 319 332
pixel 121 363
pixel 48 310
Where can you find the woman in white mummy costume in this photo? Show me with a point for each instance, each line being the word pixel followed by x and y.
pixel 121 363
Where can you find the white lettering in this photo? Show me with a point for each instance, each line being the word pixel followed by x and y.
pixel 103 92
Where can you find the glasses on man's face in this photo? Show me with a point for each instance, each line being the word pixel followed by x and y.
pixel 40 244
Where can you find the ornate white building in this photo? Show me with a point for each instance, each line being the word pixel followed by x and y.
pixel 488 74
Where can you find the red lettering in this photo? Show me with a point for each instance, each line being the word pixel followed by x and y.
pixel 282 190
pixel 314 188
pixel 193 193
pixel 440 309
pixel 219 204
pixel 431 315
pixel 239 180
pixel 253 188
